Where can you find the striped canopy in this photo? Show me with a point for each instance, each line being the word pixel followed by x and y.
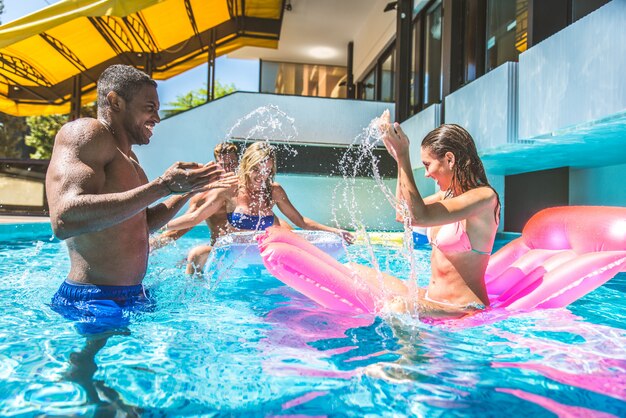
pixel 54 56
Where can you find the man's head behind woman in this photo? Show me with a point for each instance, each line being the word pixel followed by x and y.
pixel 227 155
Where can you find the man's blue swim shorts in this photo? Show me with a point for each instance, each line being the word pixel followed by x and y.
pixel 98 309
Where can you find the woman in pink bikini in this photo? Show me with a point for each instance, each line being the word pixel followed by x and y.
pixel 462 220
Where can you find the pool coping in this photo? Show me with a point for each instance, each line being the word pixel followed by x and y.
pixel 16 219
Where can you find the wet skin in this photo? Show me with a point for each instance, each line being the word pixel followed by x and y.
pixel 461 273
pixel 209 206
pixel 252 202
pixel 100 197
pixel 457 278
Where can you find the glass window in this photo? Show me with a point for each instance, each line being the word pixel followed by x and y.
pixel 432 65
pixel 388 77
pixel 369 86
pixel 413 83
pixel 581 8
pixel 473 41
pixel 326 160
pixel 418 5
pixel 269 73
pixel 507 31
pixel 303 79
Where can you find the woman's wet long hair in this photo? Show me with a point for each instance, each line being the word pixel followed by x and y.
pixel 468 171
pixel 256 154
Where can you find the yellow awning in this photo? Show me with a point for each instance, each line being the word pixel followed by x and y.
pixel 42 53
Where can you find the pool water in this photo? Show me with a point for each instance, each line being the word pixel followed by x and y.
pixel 243 344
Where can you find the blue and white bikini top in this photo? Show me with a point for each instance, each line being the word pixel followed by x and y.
pixel 249 222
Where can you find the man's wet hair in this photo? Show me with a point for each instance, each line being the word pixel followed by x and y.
pixel 224 148
pixel 124 80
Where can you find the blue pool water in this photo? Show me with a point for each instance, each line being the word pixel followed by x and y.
pixel 245 345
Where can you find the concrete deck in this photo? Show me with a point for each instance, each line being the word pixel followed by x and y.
pixel 7 219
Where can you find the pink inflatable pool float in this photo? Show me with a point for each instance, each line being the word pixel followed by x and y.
pixel 312 272
pixel 563 254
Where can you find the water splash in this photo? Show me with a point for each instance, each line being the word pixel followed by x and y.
pixel 265 123
pixel 273 126
pixel 360 157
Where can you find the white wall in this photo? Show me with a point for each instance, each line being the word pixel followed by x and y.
pixel 417 127
pixel 191 136
pixel 376 32
pixel 603 186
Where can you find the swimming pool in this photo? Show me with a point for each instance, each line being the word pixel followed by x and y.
pixel 245 345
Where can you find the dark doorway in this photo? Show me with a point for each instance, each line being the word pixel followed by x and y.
pixel 528 193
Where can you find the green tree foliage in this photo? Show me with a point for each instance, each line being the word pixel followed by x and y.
pixel 12 131
pixel 196 98
pixel 43 130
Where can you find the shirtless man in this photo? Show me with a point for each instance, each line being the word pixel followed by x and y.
pixel 99 199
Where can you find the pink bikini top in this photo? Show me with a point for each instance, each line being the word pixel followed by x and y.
pixel 452 238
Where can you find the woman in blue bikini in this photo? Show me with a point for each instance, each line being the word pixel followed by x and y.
pixel 252 209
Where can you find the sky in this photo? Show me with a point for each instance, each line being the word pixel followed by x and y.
pixel 244 74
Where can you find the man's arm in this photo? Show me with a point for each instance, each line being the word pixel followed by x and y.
pixel 201 207
pixel 165 238
pixel 170 235
pixel 211 201
pixel 159 214
pixel 76 180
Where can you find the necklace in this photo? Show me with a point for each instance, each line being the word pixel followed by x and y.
pixel 108 126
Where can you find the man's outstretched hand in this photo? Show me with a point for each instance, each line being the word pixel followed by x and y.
pixel 227 181
pixel 184 177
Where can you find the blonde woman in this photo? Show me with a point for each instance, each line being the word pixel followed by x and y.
pixel 258 193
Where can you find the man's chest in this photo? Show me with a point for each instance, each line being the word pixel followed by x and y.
pixel 123 173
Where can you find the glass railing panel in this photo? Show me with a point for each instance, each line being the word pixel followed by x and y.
pixel 487 108
pixel 22 187
pixel 576 75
